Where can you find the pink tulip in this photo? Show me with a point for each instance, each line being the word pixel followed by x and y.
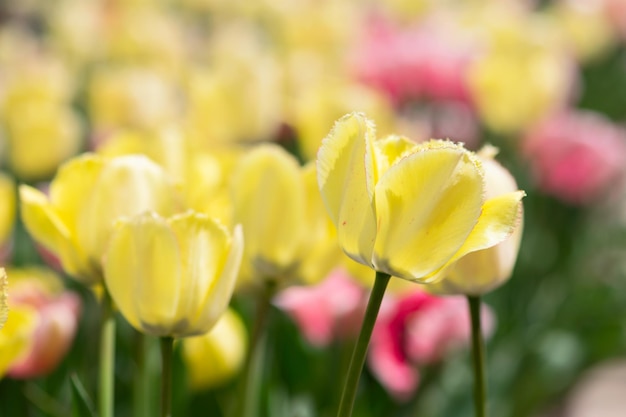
pixel 419 329
pixel 576 155
pixel 54 334
pixel 326 310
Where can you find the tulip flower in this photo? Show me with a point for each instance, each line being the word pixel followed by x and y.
pixel 218 355
pixel 7 213
pixel 172 277
pixel 405 209
pixel 481 271
pixel 88 194
pixel 4 308
pixel 57 314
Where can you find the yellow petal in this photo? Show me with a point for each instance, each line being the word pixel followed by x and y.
pixel 206 250
pixel 269 200
pixel 45 225
pixel 126 186
pixel 7 208
pixel 499 218
pixel 346 175
pixel 143 273
pixel 427 205
pixel 216 356
pixel 16 336
pixel 391 149
pixel 4 308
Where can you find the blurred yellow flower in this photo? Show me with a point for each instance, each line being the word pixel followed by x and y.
pixel 519 49
pixel 213 358
pixel 172 277
pixel 88 194
pixel 279 218
pixel 7 208
pixel 4 308
pixel 482 271
pixel 16 336
pixel 406 209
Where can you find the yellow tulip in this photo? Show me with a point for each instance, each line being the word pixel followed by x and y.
pixel 405 209
pixel 7 208
pixel 482 271
pixel 218 355
pixel 175 276
pixel 4 308
pixel 279 217
pixel 88 194
pixel 16 336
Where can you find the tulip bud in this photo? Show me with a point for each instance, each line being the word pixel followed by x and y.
pixel 172 277
pixel 4 308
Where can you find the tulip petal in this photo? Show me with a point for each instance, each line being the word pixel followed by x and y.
pixel 391 149
pixel 346 175
pixel 4 308
pixel 268 194
pixel 218 296
pixel 143 273
pixel 45 225
pixel 73 183
pixel 427 205
pixel 127 186
pixel 499 218
pixel 16 336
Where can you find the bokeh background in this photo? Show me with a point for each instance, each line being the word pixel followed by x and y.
pixel 544 81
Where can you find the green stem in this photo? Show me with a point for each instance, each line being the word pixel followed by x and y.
pixel 141 377
pixel 248 400
pixel 106 396
pixel 360 349
pixel 167 349
pixel 478 353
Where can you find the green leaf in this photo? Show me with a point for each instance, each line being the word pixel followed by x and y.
pixel 82 405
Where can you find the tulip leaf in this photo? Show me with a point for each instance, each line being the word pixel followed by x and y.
pixel 82 405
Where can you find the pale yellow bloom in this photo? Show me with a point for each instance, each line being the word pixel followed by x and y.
pixel 88 194
pixel 172 277
pixel 16 336
pixel 218 355
pixel 409 210
pixel 482 271
pixel 7 208
pixel 287 233
pixel 4 308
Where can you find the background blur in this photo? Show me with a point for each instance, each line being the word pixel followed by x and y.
pixel 543 81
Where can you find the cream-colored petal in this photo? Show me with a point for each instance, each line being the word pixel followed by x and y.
pixel 71 187
pixel 347 175
pixel 126 186
pixel 499 219
pixel 143 273
pixel 427 205
pixel 4 308
pixel 218 296
pixel 47 228
pixel 269 200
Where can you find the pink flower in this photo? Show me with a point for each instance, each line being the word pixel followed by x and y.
pixel 418 62
pixel 326 310
pixel 418 329
pixel 58 313
pixel 576 155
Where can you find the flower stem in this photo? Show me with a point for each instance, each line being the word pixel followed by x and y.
pixel 141 377
pixel 478 352
pixel 360 349
pixel 106 395
pixel 167 349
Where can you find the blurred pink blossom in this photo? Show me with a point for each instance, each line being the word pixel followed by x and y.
pixel 412 63
pixel 326 310
pixel 56 327
pixel 576 155
pixel 418 329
